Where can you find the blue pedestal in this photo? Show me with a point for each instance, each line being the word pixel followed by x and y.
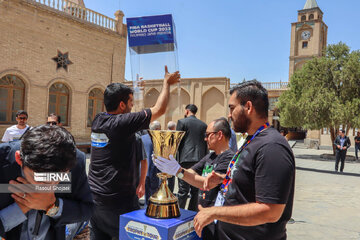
pixel 136 226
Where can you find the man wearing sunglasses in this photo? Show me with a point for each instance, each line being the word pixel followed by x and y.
pixel 15 132
pixel 217 136
pixel 54 120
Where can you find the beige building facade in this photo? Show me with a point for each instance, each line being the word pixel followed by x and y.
pixel 58 56
pixel 210 95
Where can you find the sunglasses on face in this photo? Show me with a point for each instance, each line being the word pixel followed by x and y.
pixel 51 123
pixel 22 118
pixel 207 134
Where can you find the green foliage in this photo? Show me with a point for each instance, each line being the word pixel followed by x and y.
pixel 325 92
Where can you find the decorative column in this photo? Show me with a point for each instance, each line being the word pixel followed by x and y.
pixel 119 26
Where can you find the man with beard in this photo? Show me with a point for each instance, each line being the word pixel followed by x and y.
pixel 256 196
pixel 113 168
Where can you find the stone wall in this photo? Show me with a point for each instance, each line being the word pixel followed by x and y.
pixel 32 34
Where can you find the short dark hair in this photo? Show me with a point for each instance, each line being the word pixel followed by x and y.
pixel 21 112
pixel 221 124
pixel 254 92
pixel 114 94
pixel 192 108
pixel 342 130
pixel 48 149
pixel 57 117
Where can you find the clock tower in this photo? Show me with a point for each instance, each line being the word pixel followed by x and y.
pixel 308 36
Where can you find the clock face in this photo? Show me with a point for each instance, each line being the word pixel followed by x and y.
pixel 305 35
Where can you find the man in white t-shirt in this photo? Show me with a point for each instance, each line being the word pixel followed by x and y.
pixel 15 132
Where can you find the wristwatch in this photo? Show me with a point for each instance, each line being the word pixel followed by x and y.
pixel 180 175
pixel 53 209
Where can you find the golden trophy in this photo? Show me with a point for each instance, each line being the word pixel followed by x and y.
pixel 163 203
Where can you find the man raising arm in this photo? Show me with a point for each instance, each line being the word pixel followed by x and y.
pixel 114 167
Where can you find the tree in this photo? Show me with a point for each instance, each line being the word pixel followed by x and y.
pixel 325 93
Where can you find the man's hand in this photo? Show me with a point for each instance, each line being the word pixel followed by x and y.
pixel 212 180
pixel 169 166
pixel 338 146
pixel 171 78
pixel 23 208
pixel 161 103
pixel 140 190
pixel 32 200
pixel 203 218
pixel 344 148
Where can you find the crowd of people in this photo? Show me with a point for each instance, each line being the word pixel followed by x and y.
pixel 240 189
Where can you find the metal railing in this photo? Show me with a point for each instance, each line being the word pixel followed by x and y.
pixel 78 11
pixel 275 85
pixel 270 85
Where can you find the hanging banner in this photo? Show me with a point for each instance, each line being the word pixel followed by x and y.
pixel 151 34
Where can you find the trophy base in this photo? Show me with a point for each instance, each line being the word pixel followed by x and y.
pixel 163 210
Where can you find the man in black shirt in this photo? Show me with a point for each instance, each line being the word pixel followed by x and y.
pixel 256 197
pixel 113 169
pixel 217 136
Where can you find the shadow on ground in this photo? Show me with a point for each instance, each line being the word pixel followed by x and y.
pixel 325 157
pixel 328 171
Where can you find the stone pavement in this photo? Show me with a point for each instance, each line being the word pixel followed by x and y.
pixel 326 204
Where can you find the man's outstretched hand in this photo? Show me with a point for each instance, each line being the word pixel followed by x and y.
pixel 212 180
pixel 171 78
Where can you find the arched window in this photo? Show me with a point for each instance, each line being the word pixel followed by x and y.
pixel 12 91
pixel 303 18
pixel 311 17
pixel 59 101
pixel 96 104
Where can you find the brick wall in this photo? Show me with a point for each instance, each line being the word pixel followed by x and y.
pixel 32 35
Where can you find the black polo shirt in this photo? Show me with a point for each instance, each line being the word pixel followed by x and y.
pixel 265 172
pixel 114 167
pixel 212 162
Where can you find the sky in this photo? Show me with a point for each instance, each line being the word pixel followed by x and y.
pixel 237 39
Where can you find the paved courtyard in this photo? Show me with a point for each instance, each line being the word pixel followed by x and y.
pixel 326 204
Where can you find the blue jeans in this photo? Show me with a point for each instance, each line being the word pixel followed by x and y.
pixel 357 148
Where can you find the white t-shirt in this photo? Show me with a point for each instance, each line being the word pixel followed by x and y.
pixel 13 133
